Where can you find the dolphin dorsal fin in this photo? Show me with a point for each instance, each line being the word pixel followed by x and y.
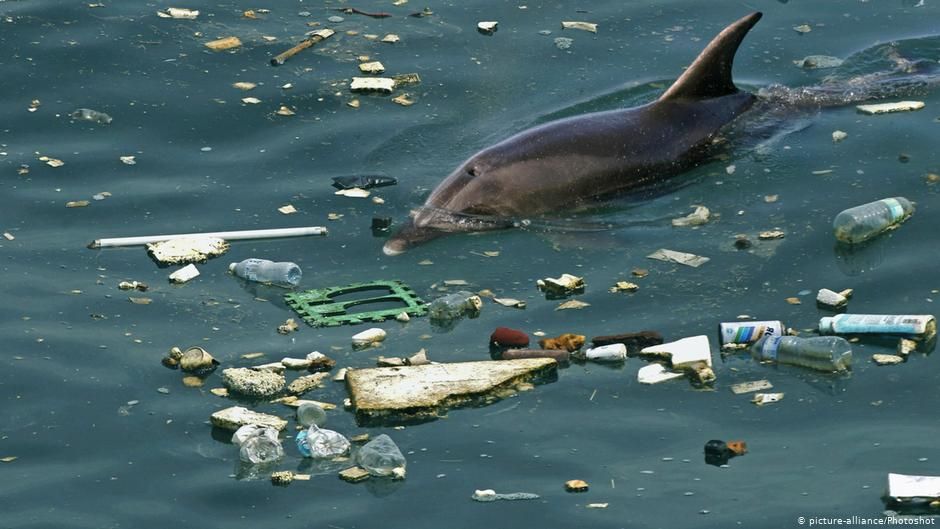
pixel 710 74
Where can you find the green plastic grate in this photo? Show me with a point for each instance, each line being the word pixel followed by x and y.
pixel 320 308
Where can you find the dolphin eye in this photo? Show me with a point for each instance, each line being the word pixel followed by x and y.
pixel 472 170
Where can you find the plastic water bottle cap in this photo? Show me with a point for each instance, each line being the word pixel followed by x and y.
pixel 825 324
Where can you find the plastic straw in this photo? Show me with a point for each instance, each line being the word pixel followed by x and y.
pixel 227 235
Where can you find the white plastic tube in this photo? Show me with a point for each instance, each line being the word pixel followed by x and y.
pixel 227 235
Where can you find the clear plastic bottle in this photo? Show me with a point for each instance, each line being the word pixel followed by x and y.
pixel 455 306
pixel 309 414
pixel 284 274
pixel 863 222
pixel 381 457
pixel 321 444
pixel 822 353
pixel 261 447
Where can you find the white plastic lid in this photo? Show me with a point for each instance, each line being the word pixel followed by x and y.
pixel 825 324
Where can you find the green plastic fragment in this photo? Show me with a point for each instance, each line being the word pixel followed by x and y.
pixel 328 307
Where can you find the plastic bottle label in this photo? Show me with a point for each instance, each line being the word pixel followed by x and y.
pixel 769 349
pixel 749 332
pixel 878 323
pixel 897 210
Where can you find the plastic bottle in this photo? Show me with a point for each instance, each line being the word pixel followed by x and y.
pixel 454 306
pixel 309 414
pixel 921 325
pixel 863 222
pixel 258 444
pixel 822 353
pixel 284 274
pixel 381 457
pixel 321 444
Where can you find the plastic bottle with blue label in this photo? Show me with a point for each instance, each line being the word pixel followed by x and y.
pixel 861 223
pixel 916 326
pixel 822 353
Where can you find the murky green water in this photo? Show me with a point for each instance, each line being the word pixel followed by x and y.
pixel 75 350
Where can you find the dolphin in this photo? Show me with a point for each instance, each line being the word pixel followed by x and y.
pixel 575 161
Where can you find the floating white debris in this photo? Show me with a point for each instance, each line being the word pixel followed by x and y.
pixel 284 111
pixel 178 12
pixel 901 486
pixel 487 26
pixel 244 85
pixel 184 274
pixel 251 100
pixel 129 160
pixel 8 236
pixel 368 337
pixel 884 108
pixel 832 299
pixel 803 28
pixel 391 38
pixel 510 302
pixel 287 209
pixel 683 352
pixel 886 360
pixel 187 249
pixel 698 217
pixel 838 136
pixel 353 192
pixel 223 44
pixel 372 84
pixel 750 387
pixel 672 256
pixel 572 304
pixel 818 61
pixel 655 373
pixel 564 284
pixel 583 26
pixel 766 398
pixel 770 235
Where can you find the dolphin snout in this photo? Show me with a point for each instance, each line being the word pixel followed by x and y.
pixel 409 235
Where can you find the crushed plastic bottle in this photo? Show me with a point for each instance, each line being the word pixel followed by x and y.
pixel 455 306
pixel 284 274
pixel 87 114
pixel 321 444
pixel 258 444
pixel 861 223
pixel 310 414
pixel 822 353
pixel 381 457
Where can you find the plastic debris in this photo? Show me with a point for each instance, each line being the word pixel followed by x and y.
pixel 381 457
pixel 491 495
pixel 237 416
pixel 372 84
pixel 87 114
pixel 572 304
pixel 187 250
pixel 133 285
pixel 719 452
pixel 904 488
pixel 319 308
pixel 252 383
pixel 403 100
pixel 803 28
pixel 671 256
pixel 920 326
pixel 368 337
pixel 8 236
pixel 288 326
pixel 128 160
pixel 318 443
pixel 314 38
pixel 683 352
pixel 226 43
pixel 860 223
pixel 258 444
pixel 196 360
pixel 744 332
pixel 656 373
pixel 178 12
pixel 454 306
pixel 363 181
pixel 750 387
pixel 838 136
pixel 487 27
pixel 624 286
pixel 510 302
pixel 354 192
pixel 184 274
pixel 564 285
pixel 505 338
pixel 403 394
pixel 770 235
pixel 227 235
pixel 616 352
pixel 836 300
pixel 282 274
pixel 284 111
pixel 77 203
pixel 905 346
pixel 583 26
pixel 885 108
pixel 766 398
pixel 244 85
pixel 391 38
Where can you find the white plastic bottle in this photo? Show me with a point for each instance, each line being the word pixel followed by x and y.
pixel 284 274
pixel 863 222
pixel 920 325
pixel 822 353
